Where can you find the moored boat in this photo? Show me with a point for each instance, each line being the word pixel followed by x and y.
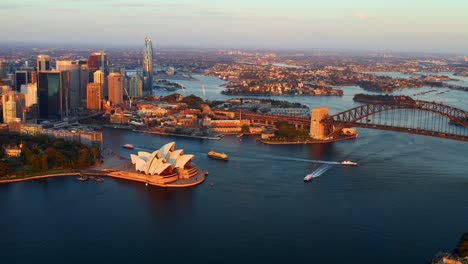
pixel 218 155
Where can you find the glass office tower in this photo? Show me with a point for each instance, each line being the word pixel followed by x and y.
pixel 148 67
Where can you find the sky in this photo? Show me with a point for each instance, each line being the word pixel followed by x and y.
pixel 376 25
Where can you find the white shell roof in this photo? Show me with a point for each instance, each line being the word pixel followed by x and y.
pixel 161 159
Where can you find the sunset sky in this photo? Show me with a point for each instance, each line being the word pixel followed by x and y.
pixel 396 25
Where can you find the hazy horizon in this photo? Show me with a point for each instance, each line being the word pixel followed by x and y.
pixel 361 25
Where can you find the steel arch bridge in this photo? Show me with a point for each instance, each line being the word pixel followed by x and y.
pixel 413 116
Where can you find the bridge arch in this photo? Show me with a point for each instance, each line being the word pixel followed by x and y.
pixel 352 118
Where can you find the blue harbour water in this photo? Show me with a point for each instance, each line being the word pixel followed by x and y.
pixel 403 203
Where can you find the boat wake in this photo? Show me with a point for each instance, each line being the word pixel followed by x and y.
pixel 321 170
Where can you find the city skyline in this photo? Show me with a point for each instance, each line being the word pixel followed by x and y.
pixel 413 26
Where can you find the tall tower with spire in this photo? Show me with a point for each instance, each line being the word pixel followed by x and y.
pixel 148 67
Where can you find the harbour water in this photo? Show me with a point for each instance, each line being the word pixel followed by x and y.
pixel 403 203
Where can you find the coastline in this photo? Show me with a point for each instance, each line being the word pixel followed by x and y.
pixel 116 166
pixel 39 177
pixel 175 135
pixel 305 142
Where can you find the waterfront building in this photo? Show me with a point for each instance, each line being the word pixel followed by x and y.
pixel 3 69
pixel 115 84
pixel 73 93
pixel 31 129
pixel 43 63
pixel 94 96
pixel 291 111
pixel 135 86
pixel 317 129
pixel 148 67
pixel 87 138
pixel 52 86
pixel 100 78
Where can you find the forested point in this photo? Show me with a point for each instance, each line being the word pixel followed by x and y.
pixel 42 155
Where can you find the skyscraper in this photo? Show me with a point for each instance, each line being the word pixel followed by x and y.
pixel 73 94
pixel 115 83
pixel 84 76
pixel 21 78
pixel 135 86
pixel 43 63
pixel 100 79
pixel 148 67
pixel 97 61
pixel 93 101
pixel 3 69
pixel 51 86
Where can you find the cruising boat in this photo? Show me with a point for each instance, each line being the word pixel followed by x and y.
pixel 128 146
pixel 309 177
pixel 347 162
pixel 216 155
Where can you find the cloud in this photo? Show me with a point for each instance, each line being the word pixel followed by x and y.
pixel 364 16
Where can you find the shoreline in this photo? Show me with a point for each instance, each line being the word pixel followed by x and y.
pixel 305 142
pixel 176 135
pixel 39 177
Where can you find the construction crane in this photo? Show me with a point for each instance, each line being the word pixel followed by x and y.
pixel 130 98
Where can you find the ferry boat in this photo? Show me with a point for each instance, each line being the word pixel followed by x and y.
pixel 217 155
pixel 309 177
pixel 347 162
pixel 128 146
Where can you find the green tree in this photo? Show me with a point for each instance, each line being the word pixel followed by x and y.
pixel 44 163
pixel 462 248
pixel 245 129
pixel 5 169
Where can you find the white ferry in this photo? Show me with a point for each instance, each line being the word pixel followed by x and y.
pixel 309 177
pixel 128 146
pixel 347 162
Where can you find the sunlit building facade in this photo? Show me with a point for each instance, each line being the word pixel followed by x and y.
pixel 115 82
pixel 94 96
pixel 43 63
pixel 317 129
pixel 135 86
pixel 148 67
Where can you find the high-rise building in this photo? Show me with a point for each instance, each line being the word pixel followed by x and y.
pixel 135 86
pixel 3 69
pixel 10 112
pixel 72 96
pixel 115 83
pixel 21 78
pixel 7 95
pixel 84 75
pixel 52 86
pixel 100 78
pixel 94 96
pixel 148 67
pixel 30 92
pixel 43 63
pixel 97 61
pixel 317 129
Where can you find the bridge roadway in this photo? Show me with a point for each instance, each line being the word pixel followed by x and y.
pixel 453 126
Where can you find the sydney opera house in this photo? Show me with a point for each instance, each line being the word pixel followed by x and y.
pixel 167 167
